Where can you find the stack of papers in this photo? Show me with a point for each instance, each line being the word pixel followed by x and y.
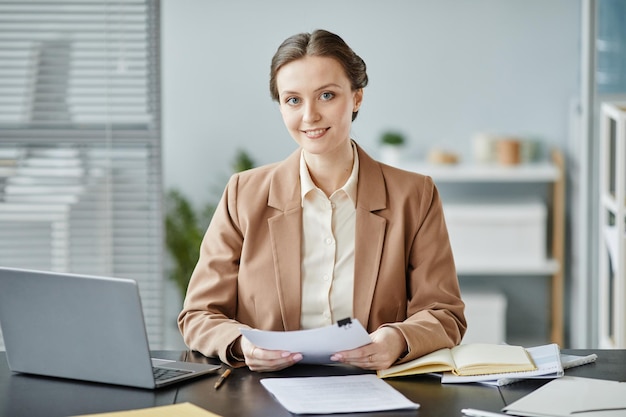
pixel 546 358
pixel 469 359
pixel 550 364
pixel 315 345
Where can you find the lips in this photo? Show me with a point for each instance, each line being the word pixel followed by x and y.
pixel 316 133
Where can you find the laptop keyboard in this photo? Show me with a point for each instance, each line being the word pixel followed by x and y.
pixel 162 374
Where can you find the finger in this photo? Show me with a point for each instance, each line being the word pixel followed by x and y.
pixel 355 357
pixel 371 357
pixel 264 360
pixel 260 354
pixel 369 362
pixel 266 365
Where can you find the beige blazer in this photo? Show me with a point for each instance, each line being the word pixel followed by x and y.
pixel 248 272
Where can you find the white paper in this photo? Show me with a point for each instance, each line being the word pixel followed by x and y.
pixel 546 358
pixel 336 394
pixel 571 361
pixel 316 345
pixel 570 396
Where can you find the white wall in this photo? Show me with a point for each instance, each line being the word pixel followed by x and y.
pixel 440 70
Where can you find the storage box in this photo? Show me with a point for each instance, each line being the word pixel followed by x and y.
pixel 486 317
pixel 497 233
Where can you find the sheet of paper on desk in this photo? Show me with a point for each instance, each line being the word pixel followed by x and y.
pixel 567 362
pixel 178 410
pixel 573 396
pixel 337 394
pixel 316 345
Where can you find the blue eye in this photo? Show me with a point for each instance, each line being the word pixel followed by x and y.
pixel 292 101
pixel 327 95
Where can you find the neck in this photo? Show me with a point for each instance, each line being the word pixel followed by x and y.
pixel 330 172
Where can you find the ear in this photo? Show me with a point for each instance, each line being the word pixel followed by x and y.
pixel 358 98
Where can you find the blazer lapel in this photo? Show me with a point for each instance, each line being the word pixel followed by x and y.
pixel 370 234
pixel 286 238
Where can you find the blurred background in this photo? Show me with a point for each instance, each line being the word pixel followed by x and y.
pixel 121 121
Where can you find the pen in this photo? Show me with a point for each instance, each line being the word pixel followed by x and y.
pixel 218 383
pixel 480 413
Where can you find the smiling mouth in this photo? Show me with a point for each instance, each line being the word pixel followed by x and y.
pixel 315 133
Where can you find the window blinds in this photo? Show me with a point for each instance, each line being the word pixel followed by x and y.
pixel 80 151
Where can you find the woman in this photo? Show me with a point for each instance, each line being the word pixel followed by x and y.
pixel 327 233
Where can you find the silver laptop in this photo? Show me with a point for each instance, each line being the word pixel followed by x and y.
pixel 82 327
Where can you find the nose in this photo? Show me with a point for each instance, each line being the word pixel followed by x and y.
pixel 310 112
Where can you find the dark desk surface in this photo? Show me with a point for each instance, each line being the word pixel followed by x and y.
pixel 242 394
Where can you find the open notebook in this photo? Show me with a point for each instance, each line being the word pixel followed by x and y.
pixel 82 327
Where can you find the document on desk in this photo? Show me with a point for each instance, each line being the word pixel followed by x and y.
pixel 571 396
pixel 316 345
pixel 178 410
pixel 337 394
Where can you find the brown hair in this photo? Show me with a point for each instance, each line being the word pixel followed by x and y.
pixel 319 43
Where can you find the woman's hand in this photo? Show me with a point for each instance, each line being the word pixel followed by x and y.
pixel 386 347
pixel 263 360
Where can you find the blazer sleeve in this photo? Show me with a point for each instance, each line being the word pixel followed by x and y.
pixel 435 310
pixel 211 301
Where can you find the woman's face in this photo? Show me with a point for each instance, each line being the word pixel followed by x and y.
pixel 316 102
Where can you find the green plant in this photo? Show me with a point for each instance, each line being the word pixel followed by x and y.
pixel 242 161
pixel 392 138
pixel 185 227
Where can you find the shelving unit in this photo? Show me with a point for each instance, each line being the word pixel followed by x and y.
pixel 551 173
pixel 612 257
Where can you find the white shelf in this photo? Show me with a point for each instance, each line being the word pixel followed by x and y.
pixel 534 172
pixel 549 267
pixel 551 173
pixel 612 254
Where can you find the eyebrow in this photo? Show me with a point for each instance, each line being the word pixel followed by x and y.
pixel 324 87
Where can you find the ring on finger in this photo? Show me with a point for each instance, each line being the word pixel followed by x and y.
pixel 369 358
